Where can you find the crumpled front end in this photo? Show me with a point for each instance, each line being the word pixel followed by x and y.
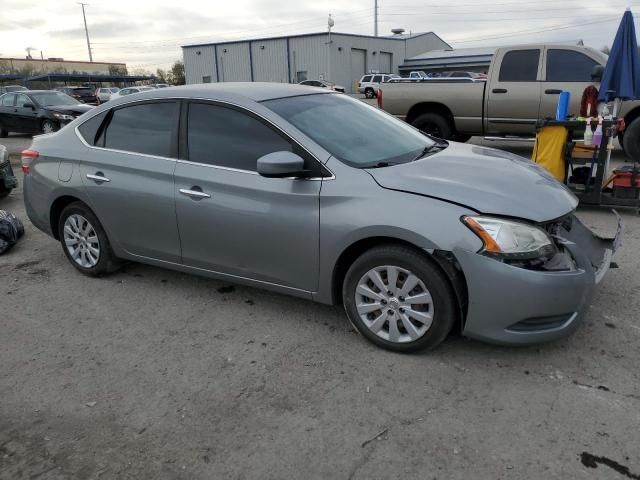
pixel 520 304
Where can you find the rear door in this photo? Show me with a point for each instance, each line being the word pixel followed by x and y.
pixel 513 97
pixel 231 219
pixel 7 113
pixel 565 69
pixel 128 175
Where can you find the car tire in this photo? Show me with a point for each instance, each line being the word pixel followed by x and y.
pixel 377 324
pixel 434 124
pixel 369 93
pixel 631 139
pixel 49 126
pixel 3 133
pixel 91 253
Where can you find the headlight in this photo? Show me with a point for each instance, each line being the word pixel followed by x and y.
pixel 62 116
pixel 509 239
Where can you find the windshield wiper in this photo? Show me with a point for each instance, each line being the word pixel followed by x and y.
pixel 437 146
pixel 383 164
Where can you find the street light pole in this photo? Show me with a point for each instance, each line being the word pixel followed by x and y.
pixel 375 18
pixel 86 30
pixel 330 23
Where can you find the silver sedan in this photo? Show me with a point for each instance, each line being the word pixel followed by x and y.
pixel 314 194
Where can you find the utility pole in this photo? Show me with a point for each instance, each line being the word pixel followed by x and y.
pixel 375 18
pixel 28 50
pixel 330 23
pixel 86 30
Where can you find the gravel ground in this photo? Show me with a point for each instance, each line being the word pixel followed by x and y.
pixel 152 374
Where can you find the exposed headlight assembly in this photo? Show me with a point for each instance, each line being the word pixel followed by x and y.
pixel 510 240
pixel 62 116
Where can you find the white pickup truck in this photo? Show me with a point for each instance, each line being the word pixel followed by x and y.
pixel 522 86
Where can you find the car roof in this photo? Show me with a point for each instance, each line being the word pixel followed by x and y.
pixel 256 91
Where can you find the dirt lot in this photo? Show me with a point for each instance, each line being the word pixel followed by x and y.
pixel 151 374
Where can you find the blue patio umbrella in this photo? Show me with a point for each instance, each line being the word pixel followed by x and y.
pixel 621 76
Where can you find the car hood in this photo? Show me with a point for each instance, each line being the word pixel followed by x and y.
pixel 484 179
pixel 69 109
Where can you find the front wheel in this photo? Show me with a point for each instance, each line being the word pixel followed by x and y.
pixel 85 242
pixel 368 93
pixel 49 126
pixel 631 140
pixel 398 299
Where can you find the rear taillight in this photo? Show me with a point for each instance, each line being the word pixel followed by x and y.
pixel 28 156
pixel 380 98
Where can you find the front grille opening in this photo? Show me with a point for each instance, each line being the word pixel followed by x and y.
pixel 540 324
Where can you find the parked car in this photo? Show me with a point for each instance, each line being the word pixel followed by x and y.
pixel 82 94
pixel 159 85
pixel 369 84
pixel 129 90
pixel 318 195
pixel 104 93
pixel 8 180
pixel 323 84
pixel 461 74
pixel 522 86
pixel 37 111
pixel 12 88
pixel 419 75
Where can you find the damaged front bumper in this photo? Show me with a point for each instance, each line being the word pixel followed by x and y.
pixel 516 306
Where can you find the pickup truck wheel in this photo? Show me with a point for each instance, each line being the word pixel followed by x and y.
pixel 631 140
pixel 434 124
pixel 369 93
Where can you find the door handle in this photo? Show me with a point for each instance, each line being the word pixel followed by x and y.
pixel 553 91
pixel 194 192
pixel 499 90
pixel 98 177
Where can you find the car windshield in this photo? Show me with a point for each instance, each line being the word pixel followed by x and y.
pixel 357 134
pixel 47 99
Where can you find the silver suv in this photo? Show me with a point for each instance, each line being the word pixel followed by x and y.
pixel 370 84
pixel 315 194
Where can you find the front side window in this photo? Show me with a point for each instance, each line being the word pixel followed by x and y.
pixel 568 66
pixel 366 78
pixel 357 134
pixel 8 100
pixel 226 137
pixel 148 128
pixel 520 66
pixel 21 100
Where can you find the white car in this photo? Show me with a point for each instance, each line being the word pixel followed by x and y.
pixel 370 84
pixel 323 84
pixel 129 91
pixel 104 93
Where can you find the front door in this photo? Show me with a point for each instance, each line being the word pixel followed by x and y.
pixel 129 178
pixel 231 219
pixel 7 111
pixel 569 70
pixel 25 118
pixel 514 94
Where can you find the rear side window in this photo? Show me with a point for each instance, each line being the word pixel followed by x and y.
pixel 520 66
pixel 7 100
pixel 569 66
pixel 89 130
pixel 230 138
pixel 148 128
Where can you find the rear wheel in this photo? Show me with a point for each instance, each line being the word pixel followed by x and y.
pixel 631 140
pixel 49 126
pixel 85 242
pixel 434 124
pixel 398 299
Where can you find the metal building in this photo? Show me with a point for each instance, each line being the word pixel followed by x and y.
pixel 343 59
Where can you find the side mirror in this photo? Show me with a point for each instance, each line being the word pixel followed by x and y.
pixel 29 105
pixel 281 164
pixel 596 73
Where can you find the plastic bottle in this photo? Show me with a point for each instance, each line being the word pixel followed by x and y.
pixel 588 133
pixel 597 135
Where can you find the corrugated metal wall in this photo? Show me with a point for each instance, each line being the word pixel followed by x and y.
pixel 233 62
pixel 308 57
pixel 199 63
pixel 270 60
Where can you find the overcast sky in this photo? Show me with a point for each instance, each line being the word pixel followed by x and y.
pixel 148 34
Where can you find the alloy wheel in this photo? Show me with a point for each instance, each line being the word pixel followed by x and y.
pixel 394 304
pixel 81 241
pixel 48 127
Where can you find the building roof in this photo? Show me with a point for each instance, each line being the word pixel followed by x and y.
pixel 314 34
pixel 87 77
pixel 57 60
